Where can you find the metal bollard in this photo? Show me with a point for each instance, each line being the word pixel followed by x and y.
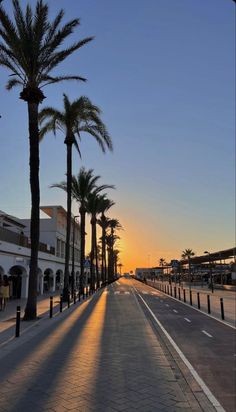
pixel 190 297
pixel 198 300
pixel 51 306
pixel 184 296
pixel 208 304
pixel 175 291
pixel 17 334
pixel 179 294
pixel 222 309
pixel 165 288
pixel 170 290
pixel 79 295
pixel 68 300
pixel 61 302
pixel 74 297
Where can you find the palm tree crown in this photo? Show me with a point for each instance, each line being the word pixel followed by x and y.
pixel 31 47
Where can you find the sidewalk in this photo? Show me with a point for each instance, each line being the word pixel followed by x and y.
pixel 101 355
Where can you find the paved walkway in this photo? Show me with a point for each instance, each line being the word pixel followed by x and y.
pixel 99 355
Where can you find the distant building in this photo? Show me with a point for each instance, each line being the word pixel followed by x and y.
pixel 15 250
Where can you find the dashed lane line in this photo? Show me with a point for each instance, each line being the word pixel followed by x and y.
pixel 206 390
pixel 167 305
pixel 206 333
pixel 127 293
pixel 174 310
pixel 187 320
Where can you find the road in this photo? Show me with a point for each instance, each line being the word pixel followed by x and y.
pixel 208 344
pixel 109 354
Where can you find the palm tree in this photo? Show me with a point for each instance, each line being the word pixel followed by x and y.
pixel 187 254
pixel 104 223
pixel 94 206
pixel 77 117
pixel 82 184
pixel 114 225
pixel 31 50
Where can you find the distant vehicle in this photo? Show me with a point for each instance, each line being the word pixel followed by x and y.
pixel 126 275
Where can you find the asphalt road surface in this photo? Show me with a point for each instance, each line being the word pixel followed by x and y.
pixel 208 344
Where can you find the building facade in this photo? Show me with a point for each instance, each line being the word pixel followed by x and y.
pixel 15 251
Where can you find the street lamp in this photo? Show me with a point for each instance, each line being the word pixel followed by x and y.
pixel 73 258
pixel 211 277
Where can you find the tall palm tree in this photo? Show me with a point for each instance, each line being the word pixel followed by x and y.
pixel 187 254
pixel 104 223
pixel 31 48
pixel 77 117
pixel 94 206
pixel 114 225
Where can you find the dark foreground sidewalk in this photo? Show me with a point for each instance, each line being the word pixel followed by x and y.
pixel 100 355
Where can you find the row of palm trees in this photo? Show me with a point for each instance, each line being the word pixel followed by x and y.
pixel 31 48
pixel 88 194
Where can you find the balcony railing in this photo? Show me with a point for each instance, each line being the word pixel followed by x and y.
pixel 22 240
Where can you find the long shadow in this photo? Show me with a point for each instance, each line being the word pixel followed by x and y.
pixel 32 392
pixel 134 372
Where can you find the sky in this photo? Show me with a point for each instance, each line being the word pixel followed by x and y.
pixel 163 73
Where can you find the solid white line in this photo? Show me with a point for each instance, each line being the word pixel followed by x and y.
pixel 188 320
pixel 199 380
pixel 206 333
pixel 174 310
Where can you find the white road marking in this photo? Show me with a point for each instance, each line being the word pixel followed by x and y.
pixel 188 320
pixel 206 333
pixel 209 394
pixel 118 283
pixel 144 292
pixel 167 305
pixel 174 310
pixel 127 293
pixel 117 292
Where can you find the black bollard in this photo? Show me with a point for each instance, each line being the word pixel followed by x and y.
pixel 61 302
pixel 222 309
pixel 68 300
pixel 198 300
pixel 17 334
pixel 179 294
pixel 170 290
pixel 175 291
pixel 51 306
pixel 184 296
pixel 74 297
pixel 190 297
pixel 208 304
pixel 79 295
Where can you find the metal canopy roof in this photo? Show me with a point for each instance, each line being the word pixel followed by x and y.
pixel 213 256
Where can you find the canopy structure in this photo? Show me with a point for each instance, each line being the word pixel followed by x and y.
pixel 213 256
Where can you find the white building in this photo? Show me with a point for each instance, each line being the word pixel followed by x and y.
pixel 15 250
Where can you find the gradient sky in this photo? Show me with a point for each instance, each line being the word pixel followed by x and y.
pixel 163 73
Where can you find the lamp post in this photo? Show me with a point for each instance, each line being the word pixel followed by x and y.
pixel 211 277
pixel 73 258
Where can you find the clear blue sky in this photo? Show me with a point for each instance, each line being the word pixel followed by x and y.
pixel 163 72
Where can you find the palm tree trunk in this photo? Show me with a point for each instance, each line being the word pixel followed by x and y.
pixel 92 254
pixel 82 246
pixel 103 268
pixel 31 306
pixel 68 221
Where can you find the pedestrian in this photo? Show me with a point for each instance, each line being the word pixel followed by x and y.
pixel 5 288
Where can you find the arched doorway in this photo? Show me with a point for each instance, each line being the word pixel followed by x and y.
pixel 15 280
pixel 59 279
pixel 48 280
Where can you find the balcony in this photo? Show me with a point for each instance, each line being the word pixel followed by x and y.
pixel 22 240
